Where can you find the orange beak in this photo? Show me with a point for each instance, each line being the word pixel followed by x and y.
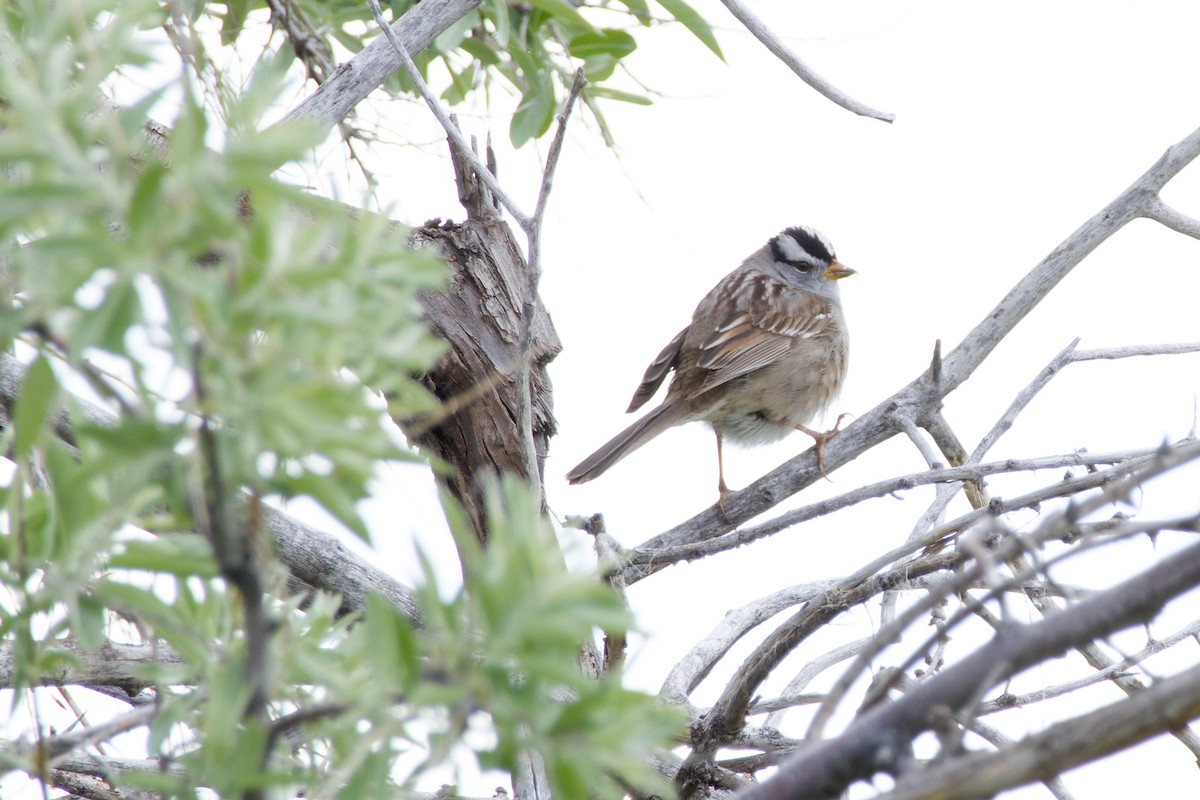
pixel 837 270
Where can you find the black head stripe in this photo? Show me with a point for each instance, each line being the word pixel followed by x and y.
pixel 810 241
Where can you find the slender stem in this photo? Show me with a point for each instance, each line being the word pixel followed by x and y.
pixel 460 142
pixel 772 42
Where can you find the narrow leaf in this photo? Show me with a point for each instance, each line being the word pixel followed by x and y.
pixel 33 406
pixel 695 23
pixel 563 12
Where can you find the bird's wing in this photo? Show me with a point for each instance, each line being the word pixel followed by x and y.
pixel 761 331
pixel 663 363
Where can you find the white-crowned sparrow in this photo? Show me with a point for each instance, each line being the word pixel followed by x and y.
pixel 764 354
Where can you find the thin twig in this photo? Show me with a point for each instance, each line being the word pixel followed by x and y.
pixel 810 671
pixel 1155 209
pixel 354 80
pixel 772 42
pixel 1133 351
pixel 1023 398
pixel 1163 706
pixel 58 746
pixel 833 764
pixel 1116 668
pixel 460 142
pixel 533 232
pixel 233 546
pixel 644 561
pixel 686 675
pixel 995 737
pixel 910 429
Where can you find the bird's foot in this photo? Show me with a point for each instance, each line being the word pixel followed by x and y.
pixel 722 494
pixel 819 438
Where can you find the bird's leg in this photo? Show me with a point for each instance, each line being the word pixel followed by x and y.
pixel 820 439
pixel 722 489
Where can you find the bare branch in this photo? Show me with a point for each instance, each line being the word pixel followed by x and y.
pixel 644 561
pixel 693 667
pixel 855 753
pixel 309 45
pixel 998 740
pixel 90 788
pixel 772 42
pixel 112 664
pixel 533 233
pixel 1167 704
pixel 112 767
pixel 1115 668
pixel 910 429
pixel 1163 214
pixel 1023 398
pixel 463 147
pixel 1137 350
pixel 813 668
pixel 360 76
pixel 727 714
pixel 58 747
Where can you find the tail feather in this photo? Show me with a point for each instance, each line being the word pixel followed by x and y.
pixel 627 441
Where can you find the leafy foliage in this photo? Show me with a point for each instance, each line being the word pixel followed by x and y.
pixel 209 287
pixel 506 644
pixel 530 48
pixel 203 301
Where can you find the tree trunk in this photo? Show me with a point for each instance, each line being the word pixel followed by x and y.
pixel 478 435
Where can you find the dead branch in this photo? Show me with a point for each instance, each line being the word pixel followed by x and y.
pixel 775 45
pixel 877 739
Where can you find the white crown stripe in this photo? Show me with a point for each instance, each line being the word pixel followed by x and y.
pixel 792 250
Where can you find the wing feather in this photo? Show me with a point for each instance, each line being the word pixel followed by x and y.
pixel 747 339
pixel 662 364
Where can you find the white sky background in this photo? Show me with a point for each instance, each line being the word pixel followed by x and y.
pixel 1015 123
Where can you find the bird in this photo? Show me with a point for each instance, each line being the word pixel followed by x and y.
pixel 765 353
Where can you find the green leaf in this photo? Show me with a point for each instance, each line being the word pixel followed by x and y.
pixel 461 83
pixel 145 203
pixel 106 325
pixel 169 621
pixel 33 406
pixel 452 38
pixel 639 9
pixel 617 94
pixel 188 132
pixel 262 91
pixel 332 494
pixel 532 119
pixel 601 51
pixel 535 113
pixel 234 20
pixel 564 12
pixel 370 778
pixel 394 651
pixel 609 41
pixel 352 42
pixel 89 622
pixel 502 16
pixel 182 554
pixel 695 23
pixel 481 50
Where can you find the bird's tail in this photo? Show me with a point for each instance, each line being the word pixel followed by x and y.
pixel 627 441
